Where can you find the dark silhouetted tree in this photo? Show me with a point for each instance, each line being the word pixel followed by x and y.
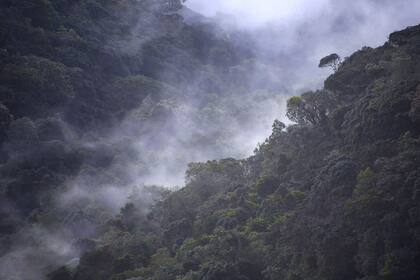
pixel 278 127
pixel 172 5
pixel 333 60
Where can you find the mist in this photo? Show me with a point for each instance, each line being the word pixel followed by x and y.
pixel 288 39
pixel 301 32
pixel 325 15
pixel 279 45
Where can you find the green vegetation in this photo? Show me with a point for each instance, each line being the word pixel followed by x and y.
pixel 336 195
pixel 321 199
pixel 311 107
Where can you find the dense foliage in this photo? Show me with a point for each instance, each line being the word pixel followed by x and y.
pixel 80 81
pixel 334 196
pixel 71 72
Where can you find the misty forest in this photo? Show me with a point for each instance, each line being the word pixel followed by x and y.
pixel 209 140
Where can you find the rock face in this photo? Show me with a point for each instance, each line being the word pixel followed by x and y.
pixel 334 199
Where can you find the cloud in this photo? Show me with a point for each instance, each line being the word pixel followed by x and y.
pixel 292 35
pixel 370 20
pixel 251 13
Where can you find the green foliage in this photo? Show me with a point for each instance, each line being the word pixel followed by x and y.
pixel 280 219
pixel 224 167
pixel 190 244
pixel 294 101
pixel 256 225
pixel 22 133
pixel 299 208
pixel 41 13
pixel 366 175
pixel 365 181
pixel 386 271
pixel 278 126
pixel 128 274
pixel 33 73
pixel 60 274
pixel 299 195
pixel 311 108
pixel 230 213
pixel 162 258
pixel 163 265
pixel 96 265
pixel 296 209
pixel 266 185
pixel 133 89
pixel 38 85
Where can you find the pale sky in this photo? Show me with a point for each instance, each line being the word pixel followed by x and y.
pixel 332 25
pixel 256 12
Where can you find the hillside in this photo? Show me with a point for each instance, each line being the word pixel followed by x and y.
pixel 335 196
pixel 100 100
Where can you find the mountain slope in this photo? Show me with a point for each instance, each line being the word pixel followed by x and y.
pixel 73 72
pixel 335 196
pixel 99 98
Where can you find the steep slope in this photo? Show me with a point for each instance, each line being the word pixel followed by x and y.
pixel 71 74
pixel 85 88
pixel 99 98
pixel 335 196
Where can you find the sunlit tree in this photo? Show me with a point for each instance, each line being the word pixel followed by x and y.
pixel 310 107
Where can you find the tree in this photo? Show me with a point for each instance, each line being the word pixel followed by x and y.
pixel 333 60
pixel 41 13
pixel 278 127
pixel 60 274
pixel 172 5
pixel 310 108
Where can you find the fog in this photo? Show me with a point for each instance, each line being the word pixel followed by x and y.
pixel 251 13
pixel 303 31
pixel 288 38
pixel 377 17
pixel 156 141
